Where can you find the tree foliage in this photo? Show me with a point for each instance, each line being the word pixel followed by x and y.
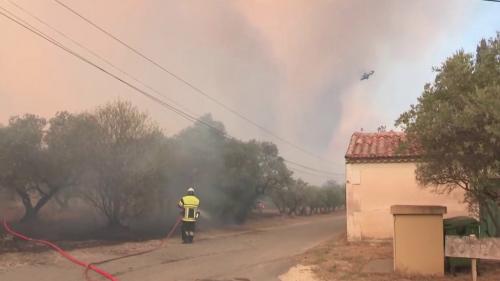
pixel 21 162
pixel 456 122
pixel 38 162
pixel 299 198
pixel 128 156
pixel 117 160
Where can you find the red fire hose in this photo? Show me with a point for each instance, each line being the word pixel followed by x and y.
pixel 89 266
pixel 60 251
pixel 86 273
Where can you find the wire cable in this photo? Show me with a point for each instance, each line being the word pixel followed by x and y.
pixel 95 54
pixel 183 114
pixel 300 171
pixel 191 85
pixel 36 31
pixel 312 169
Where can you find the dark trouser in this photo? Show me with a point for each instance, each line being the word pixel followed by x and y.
pixel 187 230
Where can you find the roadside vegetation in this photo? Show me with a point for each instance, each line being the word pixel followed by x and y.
pixel 118 163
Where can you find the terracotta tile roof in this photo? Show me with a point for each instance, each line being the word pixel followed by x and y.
pixel 379 146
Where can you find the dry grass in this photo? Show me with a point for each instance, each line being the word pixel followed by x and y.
pixel 342 260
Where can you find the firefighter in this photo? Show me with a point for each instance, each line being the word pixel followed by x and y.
pixel 189 205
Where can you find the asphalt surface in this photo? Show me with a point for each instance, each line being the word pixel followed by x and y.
pixel 257 254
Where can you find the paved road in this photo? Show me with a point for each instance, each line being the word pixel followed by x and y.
pixel 258 255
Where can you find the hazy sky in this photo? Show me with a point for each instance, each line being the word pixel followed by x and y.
pixel 291 66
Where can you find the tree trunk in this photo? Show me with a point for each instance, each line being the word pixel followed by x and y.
pixel 114 221
pixel 30 212
pixel 114 217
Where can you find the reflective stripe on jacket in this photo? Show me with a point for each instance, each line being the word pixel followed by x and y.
pixel 190 204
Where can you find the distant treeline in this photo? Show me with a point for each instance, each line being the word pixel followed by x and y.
pixel 118 161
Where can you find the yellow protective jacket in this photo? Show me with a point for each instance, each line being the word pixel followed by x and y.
pixel 190 204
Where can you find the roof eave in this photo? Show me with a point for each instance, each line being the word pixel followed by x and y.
pixel 378 159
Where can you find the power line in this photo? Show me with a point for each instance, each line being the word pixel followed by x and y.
pixel 310 173
pixel 67 37
pixel 129 75
pixel 312 169
pixel 170 107
pixel 29 27
pixel 36 31
pixel 189 84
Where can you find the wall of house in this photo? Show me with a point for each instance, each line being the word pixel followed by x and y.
pixel 372 188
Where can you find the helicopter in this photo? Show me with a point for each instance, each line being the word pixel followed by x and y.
pixel 367 75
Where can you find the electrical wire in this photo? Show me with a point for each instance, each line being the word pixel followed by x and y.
pixel 300 171
pixel 95 54
pixel 312 169
pixel 36 31
pixel 183 114
pixel 191 85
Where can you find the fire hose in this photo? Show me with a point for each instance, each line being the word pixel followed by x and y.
pixel 88 266
pixel 162 242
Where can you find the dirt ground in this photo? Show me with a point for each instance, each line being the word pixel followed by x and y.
pixel 299 273
pixel 286 249
pixel 262 250
pixel 15 253
pixel 342 260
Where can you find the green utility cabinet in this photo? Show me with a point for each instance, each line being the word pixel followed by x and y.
pixel 460 226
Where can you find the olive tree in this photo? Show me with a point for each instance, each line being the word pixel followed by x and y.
pixel 21 161
pixel 128 160
pixel 456 123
